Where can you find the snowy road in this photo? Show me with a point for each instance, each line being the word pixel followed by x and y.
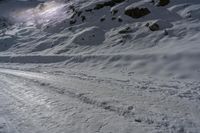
pixel 33 102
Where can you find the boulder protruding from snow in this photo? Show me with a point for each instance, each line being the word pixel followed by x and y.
pixel 161 2
pixel 110 3
pixel 154 27
pixel 158 25
pixel 137 12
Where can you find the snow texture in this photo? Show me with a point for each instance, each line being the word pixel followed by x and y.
pixel 136 74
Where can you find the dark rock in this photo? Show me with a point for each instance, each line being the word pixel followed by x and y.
pixel 154 27
pixel 118 1
pixel 166 32
pixel 102 5
pixel 137 12
pixel 113 18
pixel 79 13
pixel 161 2
pixel 159 25
pixel 83 18
pixel 72 22
pixel 110 3
pixel 126 30
pixel 114 12
pixel 102 19
pixel 71 7
pixel 88 10
pixel 120 20
pixel 138 120
pixel 130 108
pixel 98 6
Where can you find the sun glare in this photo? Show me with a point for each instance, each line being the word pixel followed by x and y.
pixel 43 13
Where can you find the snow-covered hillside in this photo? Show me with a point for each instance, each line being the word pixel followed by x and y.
pixel 138 36
pixel 99 66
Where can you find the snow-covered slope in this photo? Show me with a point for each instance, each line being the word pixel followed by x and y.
pixel 104 35
pixel 120 66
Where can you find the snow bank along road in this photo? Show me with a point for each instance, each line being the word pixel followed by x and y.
pixel 33 102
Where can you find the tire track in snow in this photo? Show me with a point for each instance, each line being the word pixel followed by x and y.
pixel 25 102
pixel 120 111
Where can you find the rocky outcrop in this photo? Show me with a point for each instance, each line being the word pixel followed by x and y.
pixel 110 3
pixel 154 27
pixel 137 12
pixel 161 2
pixel 159 25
